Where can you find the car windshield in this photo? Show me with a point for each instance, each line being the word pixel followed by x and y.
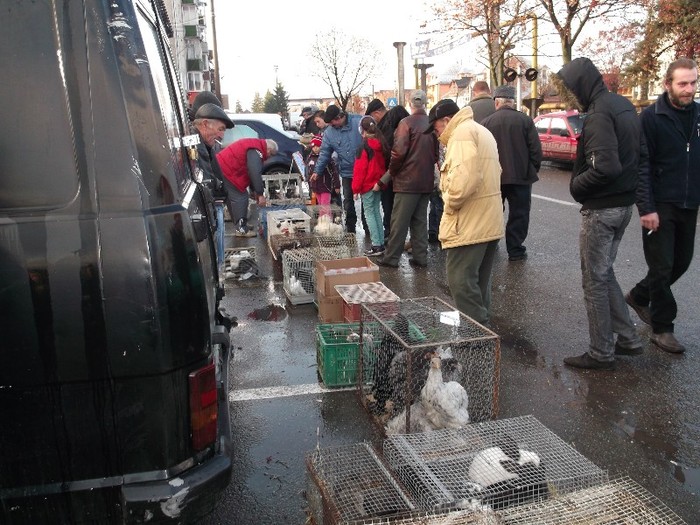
pixel 576 123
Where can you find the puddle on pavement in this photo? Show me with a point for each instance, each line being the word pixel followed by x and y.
pixel 271 312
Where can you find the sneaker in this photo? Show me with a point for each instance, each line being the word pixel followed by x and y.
pixel 642 311
pixel 667 342
pixel 244 232
pixel 621 350
pixel 587 362
pixel 374 251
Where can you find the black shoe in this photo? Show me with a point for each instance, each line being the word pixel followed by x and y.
pixel 667 342
pixel 620 350
pixel 642 311
pixel 416 264
pixel 374 251
pixel 586 361
pixel 518 257
pixel 382 262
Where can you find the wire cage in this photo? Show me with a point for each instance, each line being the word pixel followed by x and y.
pixel 348 484
pixel 425 346
pixel 240 261
pixel 620 501
pixel 331 247
pixel 476 515
pixel 299 275
pixel 496 463
pixel 327 219
pixel 275 206
pixel 279 243
pixel 287 222
pixel 284 187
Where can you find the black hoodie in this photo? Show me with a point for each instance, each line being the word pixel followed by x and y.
pixel 611 149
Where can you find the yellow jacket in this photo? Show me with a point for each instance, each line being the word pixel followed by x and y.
pixel 470 182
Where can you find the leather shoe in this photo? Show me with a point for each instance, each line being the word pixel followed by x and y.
pixel 381 262
pixel 667 342
pixel 586 361
pixel 416 264
pixel 642 311
pixel 621 350
pixel 518 257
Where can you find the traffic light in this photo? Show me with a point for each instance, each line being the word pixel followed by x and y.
pixel 531 74
pixel 510 74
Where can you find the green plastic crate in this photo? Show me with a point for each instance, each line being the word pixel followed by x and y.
pixel 336 356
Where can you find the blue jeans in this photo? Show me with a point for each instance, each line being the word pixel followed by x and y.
pixel 601 233
pixel 372 201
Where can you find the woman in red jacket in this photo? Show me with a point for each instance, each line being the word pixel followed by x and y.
pixel 370 165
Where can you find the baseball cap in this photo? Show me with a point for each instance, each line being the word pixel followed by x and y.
pixel 444 108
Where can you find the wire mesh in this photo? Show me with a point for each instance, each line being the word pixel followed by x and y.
pixel 240 261
pixel 279 243
pixel 331 247
pixel 354 485
pixel 328 218
pixel 283 187
pixel 495 463
pixel 619 502
pixel 287 222
pixel 479 515
pixel 427 347
pixel 299 275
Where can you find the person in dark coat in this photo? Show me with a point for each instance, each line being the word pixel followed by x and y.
pixel 412 170
pixel 668 198
pixel 481 102
pixel 611 152
pixel 520 155
pixel 387 121
pixel 308 125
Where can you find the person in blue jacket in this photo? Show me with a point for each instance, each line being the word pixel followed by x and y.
pixel 343 138
pixel 668 196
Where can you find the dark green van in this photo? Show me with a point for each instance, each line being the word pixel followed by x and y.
pixel 113 356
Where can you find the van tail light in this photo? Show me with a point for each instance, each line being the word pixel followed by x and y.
pixel 203 406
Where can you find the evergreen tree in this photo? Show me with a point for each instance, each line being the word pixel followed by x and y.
pixel 258 105
pixel 239 108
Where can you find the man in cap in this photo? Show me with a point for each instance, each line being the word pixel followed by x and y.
pixel 481 102
pixel 611 151
pixel 210 122
pixel 342 137
pixel 472 219
pixel 308 125
pixel 387 122
pixel 520 154
pixel 412 168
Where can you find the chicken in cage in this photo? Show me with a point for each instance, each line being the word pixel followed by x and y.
pixel 299 275
pixel 331 247
pixel 240 262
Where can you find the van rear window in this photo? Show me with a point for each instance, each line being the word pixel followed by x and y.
pixel 37 159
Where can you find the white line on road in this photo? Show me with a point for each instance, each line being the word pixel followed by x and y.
pixel 255 394
pixel 550 199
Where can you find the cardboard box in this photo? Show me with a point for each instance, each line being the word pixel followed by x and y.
pixel 330 309
pixel 355 270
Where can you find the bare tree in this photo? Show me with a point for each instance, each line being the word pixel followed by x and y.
pixel 344 63
pixel 499 23
pixel 612 51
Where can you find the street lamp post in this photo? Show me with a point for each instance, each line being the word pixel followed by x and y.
pixel 399 52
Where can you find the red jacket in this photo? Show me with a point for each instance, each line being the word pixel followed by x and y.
pixel 232 160
pixel 367 172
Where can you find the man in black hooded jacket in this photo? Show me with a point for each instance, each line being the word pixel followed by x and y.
pixel 610 154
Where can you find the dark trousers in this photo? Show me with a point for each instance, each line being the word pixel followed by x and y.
pixel 435 213
pixel 668 252
pixel 349 205
pixel 519 197
pixel 410 211
pixel 387 207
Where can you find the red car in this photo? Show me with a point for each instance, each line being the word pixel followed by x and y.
pixel 559 133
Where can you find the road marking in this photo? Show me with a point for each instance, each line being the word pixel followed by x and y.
pixel 255 394
pixel 550 199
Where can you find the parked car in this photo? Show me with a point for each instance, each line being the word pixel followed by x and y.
pixel 113 353
pixel 271 119
pixel 559 133
pixel 253 128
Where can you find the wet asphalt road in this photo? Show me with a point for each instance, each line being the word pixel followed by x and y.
pixel 642 421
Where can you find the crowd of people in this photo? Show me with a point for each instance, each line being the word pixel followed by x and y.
pixel 445 175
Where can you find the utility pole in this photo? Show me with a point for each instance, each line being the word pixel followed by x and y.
pixel 217 76
pixel 399 51
pixel 422 68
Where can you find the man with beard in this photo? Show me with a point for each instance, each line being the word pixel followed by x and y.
pixel 668 199
pixel 610 155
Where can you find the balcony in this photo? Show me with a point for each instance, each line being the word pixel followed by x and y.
pixel 191 32
pixel 194 64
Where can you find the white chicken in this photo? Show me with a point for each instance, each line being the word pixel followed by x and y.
pixel 294 286
pixel 236 258
pixel 445 404
pixel 418 421
pixel 325 227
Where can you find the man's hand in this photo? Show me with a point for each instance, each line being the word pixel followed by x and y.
pixel 313 177
pixel 650 221
pixel 376 187
pixel 261 200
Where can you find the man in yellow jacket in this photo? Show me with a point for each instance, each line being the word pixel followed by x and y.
pixel 472 219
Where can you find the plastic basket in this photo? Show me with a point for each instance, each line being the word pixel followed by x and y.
pixel 337 352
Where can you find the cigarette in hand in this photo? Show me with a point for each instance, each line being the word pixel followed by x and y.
pixel 650 232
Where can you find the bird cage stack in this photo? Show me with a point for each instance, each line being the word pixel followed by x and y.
pixel 332 247
pixel 299 275
pixel 239 262
pixel 326 219
pixel 287 229
pixel 351 484
pixel 618 501
pixel 496 463
pixel 283 188
pixel 434 366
